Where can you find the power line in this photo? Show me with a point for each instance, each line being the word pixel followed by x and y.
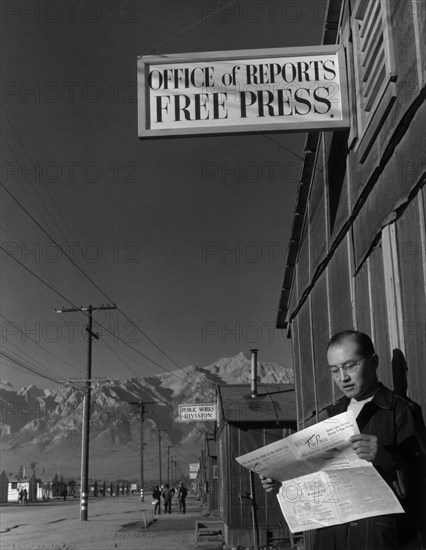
pixel 59 246
pixel 29 368
pixel 26 192
pixel 142 354
pixel 83 272
pixel 70 302
pixel 38 344
pixel 44 185
pixel 100 324
pixel 193 25
pixel 68 256
pixel 290 151
pixel 89 279
pixel 186 450
pixel 28 156
pixel 97 322
pixel 149 339
pixel 36 276
pixel 35 190
pixel 112 350
pixel 78 267
pixel 41 368
pixel 53 240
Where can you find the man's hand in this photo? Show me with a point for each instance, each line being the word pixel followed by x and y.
pixel 270 485
pixel 365 446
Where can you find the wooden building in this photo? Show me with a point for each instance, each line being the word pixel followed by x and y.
pixel 211 473
pixel 357 254
pixel 4 487
pixel 246 423
pixel 202 477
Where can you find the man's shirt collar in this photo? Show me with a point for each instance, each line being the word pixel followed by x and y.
pixel 382 398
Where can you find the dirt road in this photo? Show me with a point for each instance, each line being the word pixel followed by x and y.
pixel 114 523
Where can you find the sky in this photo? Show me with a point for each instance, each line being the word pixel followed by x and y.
pixel 186 236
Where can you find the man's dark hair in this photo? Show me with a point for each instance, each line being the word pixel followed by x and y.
pixel 362 339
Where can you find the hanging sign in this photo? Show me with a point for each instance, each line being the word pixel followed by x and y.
pixel 197 412
pixel 245 91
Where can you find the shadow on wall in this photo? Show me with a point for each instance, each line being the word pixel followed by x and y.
pixel 400 384
pixel 399 373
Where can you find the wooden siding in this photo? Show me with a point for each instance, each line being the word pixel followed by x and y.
pixel 357 179
pixel 306 362
pixel 321 336
pixel 392 188
pixel 293 299
pixel 303 274
pixel 342 212
pixel 234 440
pixel 317 222
pixel 362 298
pixel 340 292
pixel 224 475
pixel 378 310
pixel 411 248
pixel 298 373
pixel 407 83
pixel 416 9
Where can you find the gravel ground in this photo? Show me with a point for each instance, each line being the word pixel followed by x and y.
pixel 114 523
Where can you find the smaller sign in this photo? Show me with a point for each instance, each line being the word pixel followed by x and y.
pixel 194 467
pixel 197 412
pixel 192 475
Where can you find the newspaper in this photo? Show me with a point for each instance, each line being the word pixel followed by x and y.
pixel 324 482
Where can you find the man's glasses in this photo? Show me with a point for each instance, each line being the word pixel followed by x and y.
pixel 348 368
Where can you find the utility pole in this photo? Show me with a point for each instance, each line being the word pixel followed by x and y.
pixel 175 477
pixel 85 436
pixel 141 405
pixel 168 463
pixel 159 454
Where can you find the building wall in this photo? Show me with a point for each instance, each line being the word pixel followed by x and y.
pixel 4 487
pixel 235 509
pixel 13 490
pixel 362 256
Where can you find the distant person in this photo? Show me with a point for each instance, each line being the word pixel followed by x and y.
pixel 167 495
pixel 21 497
pixel 25 498
pixel 182 492
pixel 65 493
pixel 156 495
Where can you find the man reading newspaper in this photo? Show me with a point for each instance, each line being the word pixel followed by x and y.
pixel 392 438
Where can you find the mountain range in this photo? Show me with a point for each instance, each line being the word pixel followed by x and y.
pixel 44 426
